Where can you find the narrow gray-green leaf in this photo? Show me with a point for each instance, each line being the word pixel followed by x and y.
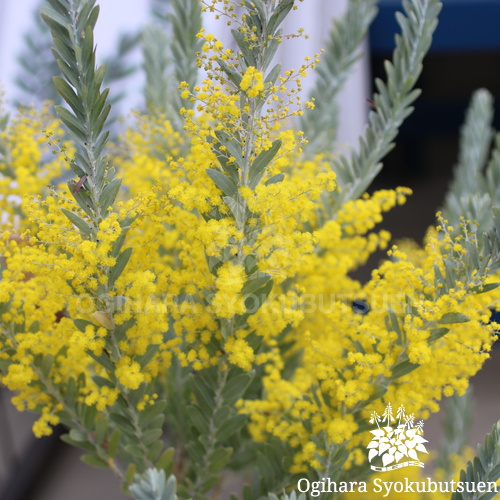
pixel 236 387
pixel 233 146
pixel 275 179
pixel 255 282
pixel 113 443
pixel 69 95
pixel 95 461
pixel 109 194
pixel 118 268
pixel 261 162
pixel 81 224
pixel 450 318
pixel 224 183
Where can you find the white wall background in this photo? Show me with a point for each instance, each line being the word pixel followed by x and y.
pixel 121 15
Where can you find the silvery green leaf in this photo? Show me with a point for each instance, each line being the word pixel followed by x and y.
pixel 244 43
pixel 153 485
pixel 450 318
pixel 232 74
pixel 261 162
pixel 237 207
pixel 117 269
pixel 255 282
pixel 224 183
pixel 275 179
pixel 233 146
pixel 77 221
pixel 109 193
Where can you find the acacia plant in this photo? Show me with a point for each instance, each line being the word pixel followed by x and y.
pixel 184 304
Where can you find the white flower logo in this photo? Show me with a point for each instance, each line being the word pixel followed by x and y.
pixel 393 444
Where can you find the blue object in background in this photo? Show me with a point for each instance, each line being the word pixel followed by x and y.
pixel 495 316
pixel 464 25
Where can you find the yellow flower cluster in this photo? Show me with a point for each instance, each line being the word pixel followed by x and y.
pixel 252 82
pixel 227 300
pixel 219 255
pixel 362 215
pixel 406 323
pixel 29 163
pixel 186 276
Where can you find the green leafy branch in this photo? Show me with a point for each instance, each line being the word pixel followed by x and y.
pixel 474 195
pixel 135 435
pixel 37 66
pixel 456 422
pixel 468 195
pixel 271 472
pixel 257 38
pixel 332 462
pixel 393 100
pixel 170 48
pixel 156 62
pixel 475 142
pixel 493 172
pixel 122 434
pixel 186 21
pixel 213 421
pixel 72 23
pixel 320 124
pixel 485 467
pixel 160 8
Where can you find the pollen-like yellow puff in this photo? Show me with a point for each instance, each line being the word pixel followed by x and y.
pixel 252 82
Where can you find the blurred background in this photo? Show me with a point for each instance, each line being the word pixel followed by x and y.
pixel 465 56
pixel 128 17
